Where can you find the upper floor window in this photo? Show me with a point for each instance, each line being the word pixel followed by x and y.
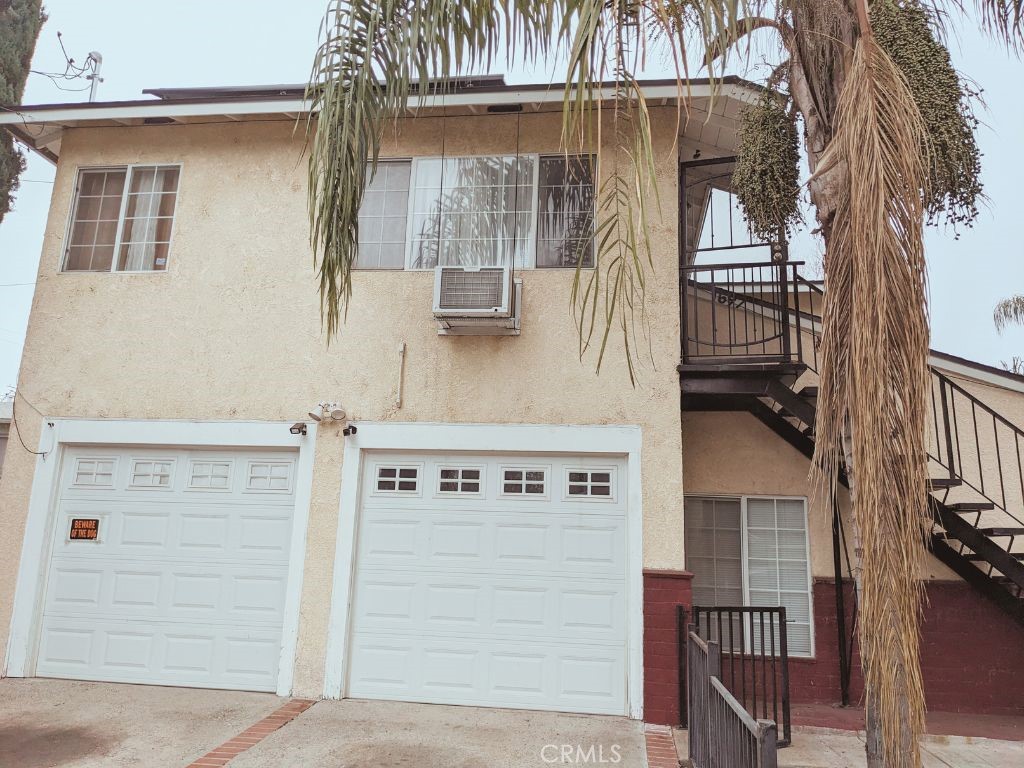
pixel 122 219
pixel 526 210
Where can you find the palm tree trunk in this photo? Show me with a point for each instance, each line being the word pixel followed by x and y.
pixel 826 188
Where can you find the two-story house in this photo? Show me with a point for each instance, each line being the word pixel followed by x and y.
pixel 440 506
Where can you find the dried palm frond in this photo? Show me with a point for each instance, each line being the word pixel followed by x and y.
pixel 873 359
pixel 1009 312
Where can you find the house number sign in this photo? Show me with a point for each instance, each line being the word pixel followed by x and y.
pixel 84 529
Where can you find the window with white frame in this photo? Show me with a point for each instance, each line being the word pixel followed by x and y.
pixel 522 210
pixel 383 217
pixel 122 219
pixel 752 551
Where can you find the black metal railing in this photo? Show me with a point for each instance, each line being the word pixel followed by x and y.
pixel 742 313
pixel 972 444
pixel 755 657
pixel 721 733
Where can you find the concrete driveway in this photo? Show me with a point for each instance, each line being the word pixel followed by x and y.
pixel 50 723
pixel 58 723
pixel 379 734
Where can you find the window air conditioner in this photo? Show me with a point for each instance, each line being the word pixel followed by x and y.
pixel 476 301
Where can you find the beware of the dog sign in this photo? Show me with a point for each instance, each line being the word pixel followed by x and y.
pixel 84 528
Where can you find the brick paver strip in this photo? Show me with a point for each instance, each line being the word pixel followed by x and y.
pixel 254 734
pixel 661 747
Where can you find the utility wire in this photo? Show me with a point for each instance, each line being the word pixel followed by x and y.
pixel 14 423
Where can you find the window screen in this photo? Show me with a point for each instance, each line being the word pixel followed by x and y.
pixel 565 211
pixel 714 554
pixel 472 211
pixel 383 216
pixel 97 212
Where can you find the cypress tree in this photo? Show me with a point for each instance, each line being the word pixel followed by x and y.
pixel 20 22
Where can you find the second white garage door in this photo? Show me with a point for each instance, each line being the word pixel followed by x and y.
pixel 493 581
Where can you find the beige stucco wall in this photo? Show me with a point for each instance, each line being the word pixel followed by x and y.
pixel 734 454
pixel 232 330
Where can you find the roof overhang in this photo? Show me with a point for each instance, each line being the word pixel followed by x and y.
pixel 41 126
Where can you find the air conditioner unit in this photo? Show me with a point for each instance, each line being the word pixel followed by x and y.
pixel 476 301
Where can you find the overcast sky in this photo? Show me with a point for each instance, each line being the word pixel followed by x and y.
pixel 250 42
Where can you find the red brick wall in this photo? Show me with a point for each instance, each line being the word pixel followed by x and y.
pixel 972 654
pixel 663 591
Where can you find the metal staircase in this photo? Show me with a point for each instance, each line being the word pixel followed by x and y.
pixel 750 339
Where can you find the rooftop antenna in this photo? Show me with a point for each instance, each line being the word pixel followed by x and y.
pixel 95 60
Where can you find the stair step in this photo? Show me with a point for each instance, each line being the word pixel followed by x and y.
pixel 972 506
pixel 996 532
pixel 981 558
pixel 942 483
pixel 808 392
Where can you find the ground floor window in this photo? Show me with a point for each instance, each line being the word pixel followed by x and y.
pixel 752 551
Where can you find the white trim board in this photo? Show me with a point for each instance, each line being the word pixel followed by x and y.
pixel 64 113
pixel 23 639
pixel 485 438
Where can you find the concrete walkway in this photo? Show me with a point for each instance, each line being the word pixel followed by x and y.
pixel 828 748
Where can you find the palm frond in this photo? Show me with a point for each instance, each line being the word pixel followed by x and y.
pixel 1009 312
pixel 374 55
pixel 873 359
pixel 1004 19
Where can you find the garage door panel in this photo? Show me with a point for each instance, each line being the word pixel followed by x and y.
pixel 527 606
pixel 579 678
pixel 229 593
pixel 159 653
pixel 466 539
pixel 184 585
pixel 489 597
pixel 178 529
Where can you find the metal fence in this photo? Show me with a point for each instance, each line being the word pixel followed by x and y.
pixel 721 732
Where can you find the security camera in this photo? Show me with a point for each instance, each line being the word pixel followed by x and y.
pixel 349 430
pixel 298 428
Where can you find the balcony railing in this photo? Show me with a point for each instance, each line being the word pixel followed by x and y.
pixel 746 314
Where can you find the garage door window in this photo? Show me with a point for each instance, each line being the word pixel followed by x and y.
pixel 524 481
pixel 151 474
pixel 98 473
pixel 589 483
pixel 752 551
pixel 268 476
pixel 398 480
pixel 464 481
pixel 210 476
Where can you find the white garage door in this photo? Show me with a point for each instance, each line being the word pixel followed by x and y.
pixel 494 581
pixel 185 581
